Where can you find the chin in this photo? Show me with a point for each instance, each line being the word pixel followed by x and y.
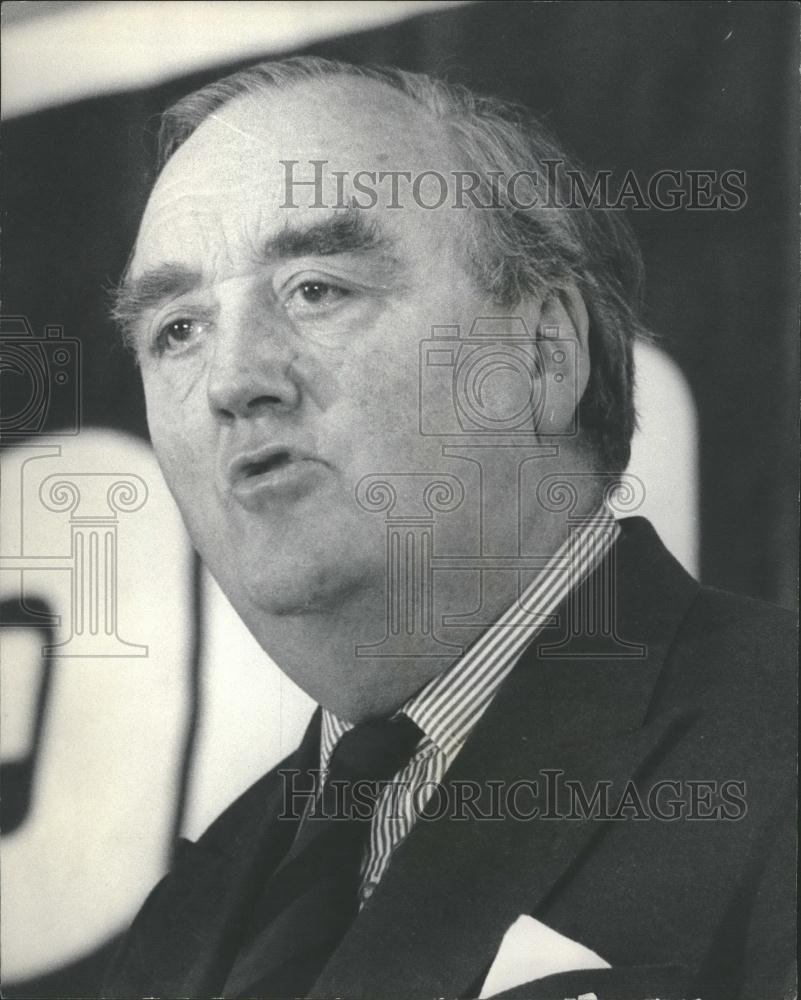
pixel 287 590
pixel 298 571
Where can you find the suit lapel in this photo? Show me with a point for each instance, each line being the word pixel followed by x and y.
pixel 191 934
pixel 455 886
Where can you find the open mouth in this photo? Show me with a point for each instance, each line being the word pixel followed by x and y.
pixel 272 474
pixel 279 460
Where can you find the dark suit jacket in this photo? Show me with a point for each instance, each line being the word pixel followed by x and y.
pixel 689 907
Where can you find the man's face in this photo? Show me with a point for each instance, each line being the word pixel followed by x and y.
pixel 279 346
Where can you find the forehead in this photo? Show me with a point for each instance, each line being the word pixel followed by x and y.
pixel 229 187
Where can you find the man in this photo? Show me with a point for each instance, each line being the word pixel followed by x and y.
pixel 554 767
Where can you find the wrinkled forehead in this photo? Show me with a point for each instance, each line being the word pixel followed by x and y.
pixel 270 159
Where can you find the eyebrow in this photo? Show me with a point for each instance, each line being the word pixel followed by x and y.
pixel 134 296
pixel 346 232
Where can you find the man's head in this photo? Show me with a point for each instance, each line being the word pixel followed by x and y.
pixel 278 332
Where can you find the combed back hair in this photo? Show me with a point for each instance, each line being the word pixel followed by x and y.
pixel 513 252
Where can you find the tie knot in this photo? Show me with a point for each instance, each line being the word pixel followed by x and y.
pixel 374 750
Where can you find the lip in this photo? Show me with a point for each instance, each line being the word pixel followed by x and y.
pixel 272 472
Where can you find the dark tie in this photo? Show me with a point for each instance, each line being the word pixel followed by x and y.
pixel 313 897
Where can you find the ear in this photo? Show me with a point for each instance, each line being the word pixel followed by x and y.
pixel 563 344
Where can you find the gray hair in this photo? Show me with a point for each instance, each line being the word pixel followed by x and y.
pixel 514 251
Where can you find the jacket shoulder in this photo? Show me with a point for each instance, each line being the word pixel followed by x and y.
pixel 736 658
pixel 738 627
pixel 263 794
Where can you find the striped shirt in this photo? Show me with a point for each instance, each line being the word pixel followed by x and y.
pixel 448 707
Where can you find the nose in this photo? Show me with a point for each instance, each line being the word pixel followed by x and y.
pixel 250 369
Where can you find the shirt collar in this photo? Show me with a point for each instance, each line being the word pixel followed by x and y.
pixel 448 707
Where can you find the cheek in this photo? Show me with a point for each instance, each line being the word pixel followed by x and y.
pixel 382 418
pixel 384 395
pixel 386 372
pixel 177 437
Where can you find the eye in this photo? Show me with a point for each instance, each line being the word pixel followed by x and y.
pixel 316 295
pixel 177 335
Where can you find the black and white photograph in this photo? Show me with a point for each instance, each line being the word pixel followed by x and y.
pixel 400 500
